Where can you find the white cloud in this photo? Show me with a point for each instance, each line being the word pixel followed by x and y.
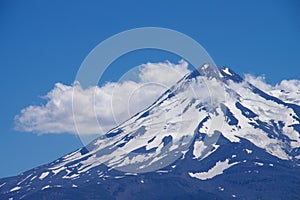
pixel 289 85
pixel 259 82
pixel 160 72
pixel 112 103
pixel 286 90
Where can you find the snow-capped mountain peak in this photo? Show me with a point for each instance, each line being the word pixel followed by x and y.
pixel 207 70
pixel 210 121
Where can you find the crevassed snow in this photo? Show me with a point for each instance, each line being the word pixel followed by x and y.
pixel 15 188
pixel 214 171
pixel 43 175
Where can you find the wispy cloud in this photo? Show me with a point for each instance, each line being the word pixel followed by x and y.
pixel 112 103
pixel 286 90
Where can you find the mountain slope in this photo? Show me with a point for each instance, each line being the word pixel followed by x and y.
pixel 211 135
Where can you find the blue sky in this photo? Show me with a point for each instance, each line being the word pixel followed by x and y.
pixel 43 43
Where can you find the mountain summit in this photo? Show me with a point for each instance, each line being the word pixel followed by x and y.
pixel 207 70
pixel 210 136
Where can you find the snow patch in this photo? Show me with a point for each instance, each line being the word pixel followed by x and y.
pixel 43 175
pixel 248 151
pixel 24 179
pixel 297 157
pixel 74 176
pixel 57 170
pixel 259 163
pixel 118 177
pixel 132 174
pixel 33 178
pixel 162 171
pixel 226 70
pixel 2 184
pixel 45 187
pixel 214 171
pixel 198 149
pixel 15 188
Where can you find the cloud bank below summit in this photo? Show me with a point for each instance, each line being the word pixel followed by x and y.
pixel 112 103
pixel 286 90
pixel 115 102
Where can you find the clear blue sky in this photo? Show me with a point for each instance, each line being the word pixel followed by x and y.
pixel 42 43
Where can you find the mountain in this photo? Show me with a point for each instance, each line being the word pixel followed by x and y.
pixel 210 136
